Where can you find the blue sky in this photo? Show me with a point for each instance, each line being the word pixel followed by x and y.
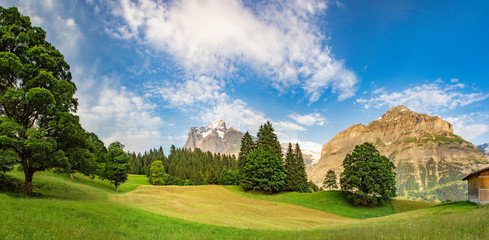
pixel 148 70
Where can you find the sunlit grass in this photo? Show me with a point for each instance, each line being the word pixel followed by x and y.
pixel 80 209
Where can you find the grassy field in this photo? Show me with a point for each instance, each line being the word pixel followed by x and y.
pixel 81 209
pixel 335 202
pixel 213 204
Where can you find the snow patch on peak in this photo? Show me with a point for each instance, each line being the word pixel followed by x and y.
pixel 218 124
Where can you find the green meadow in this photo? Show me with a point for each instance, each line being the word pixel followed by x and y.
pixel 86 208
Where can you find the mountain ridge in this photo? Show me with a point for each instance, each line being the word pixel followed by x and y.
pixel 423 148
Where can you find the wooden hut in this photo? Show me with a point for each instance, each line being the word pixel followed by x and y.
pixel 479 186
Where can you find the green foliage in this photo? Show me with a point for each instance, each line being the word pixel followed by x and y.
pixel 157 175
pixel 228 177
pixel 330 180
pixel 453 191
pixel 38 128
pixel 247 145
pixel 267 139
pixel 116 166
pixel 140 164
pixel 263 168
pixel 295 170
pixel 264 171
pixel 368 177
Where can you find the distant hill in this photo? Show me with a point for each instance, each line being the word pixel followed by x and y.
pixel 428 156
pixel 484 147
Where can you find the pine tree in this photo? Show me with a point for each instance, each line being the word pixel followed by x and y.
pixel 290 170
pixel 330 180
pixel 247 145
pixel 267 139
pixel 295 170
pixel 265 172
pixel 301 170
pixel 263 168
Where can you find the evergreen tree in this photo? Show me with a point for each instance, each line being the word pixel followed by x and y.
pixel 212 177
pixel 157 175
pixel 368 177
pixel 267 139
pixel 295 170
pixel 265 172
pixel 301 170
pixel 247 145
pixel 228 177
pixel 330 180
pixel 290 169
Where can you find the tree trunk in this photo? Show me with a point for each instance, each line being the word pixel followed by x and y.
pixel 28 180
pixel 116 189
pixel 72 176
pixel 364 200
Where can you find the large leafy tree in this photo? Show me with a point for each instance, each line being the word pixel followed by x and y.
pixel 116 166
pixel 368 176
pixel 157 175
pixel 37 125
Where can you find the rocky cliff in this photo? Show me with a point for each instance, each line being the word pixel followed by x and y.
pixel 216 138
pixel 424 149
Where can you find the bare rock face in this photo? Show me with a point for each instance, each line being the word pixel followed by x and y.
pixel 423 148
pixel 216 138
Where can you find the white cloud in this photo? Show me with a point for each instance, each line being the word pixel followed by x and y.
pixel 308 119
pixel 202 89
pixel 279 40
pixel 121 115
pixel 470 126
pixel 434 97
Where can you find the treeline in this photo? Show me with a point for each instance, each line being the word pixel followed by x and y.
pixel 188 167
pixel 260 166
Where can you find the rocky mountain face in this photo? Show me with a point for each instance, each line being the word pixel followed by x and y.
pixel 310 157
pixel 427 154
pixel 216 138
pixel 484 147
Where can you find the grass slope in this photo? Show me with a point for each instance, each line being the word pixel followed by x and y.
pixel 335 202
pixel 78 209
pixel 213 204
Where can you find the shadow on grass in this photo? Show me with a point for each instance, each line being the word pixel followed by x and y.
pixel 11 186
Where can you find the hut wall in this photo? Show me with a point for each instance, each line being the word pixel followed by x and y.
pixel 473 184
pixel 484 187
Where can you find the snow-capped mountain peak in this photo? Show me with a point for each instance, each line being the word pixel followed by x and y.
pixel 216 137
pixel 218 124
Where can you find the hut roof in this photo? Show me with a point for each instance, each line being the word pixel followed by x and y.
pixel 475 173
